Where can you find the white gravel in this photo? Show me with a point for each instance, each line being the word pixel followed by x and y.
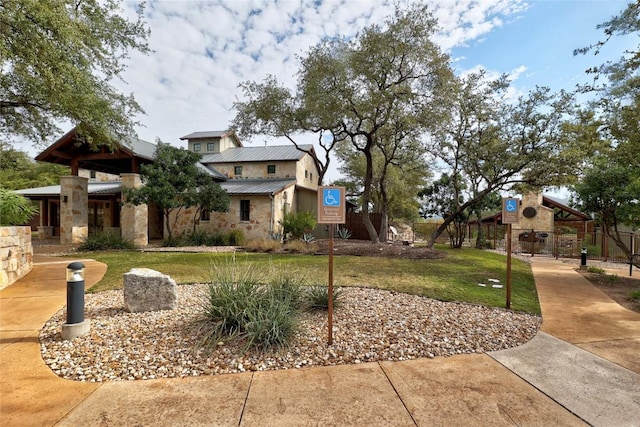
pixel 369 325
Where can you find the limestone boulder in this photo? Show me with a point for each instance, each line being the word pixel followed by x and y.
pixel 149 290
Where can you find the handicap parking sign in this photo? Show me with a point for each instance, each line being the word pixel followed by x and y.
pixel 331 205
pixel 331 197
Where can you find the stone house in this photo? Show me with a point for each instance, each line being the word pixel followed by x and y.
pixel 262 182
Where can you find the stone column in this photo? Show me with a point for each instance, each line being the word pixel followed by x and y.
pixel 74 201
pixel 134 220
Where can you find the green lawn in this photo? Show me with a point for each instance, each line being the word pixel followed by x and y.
pixel 453 278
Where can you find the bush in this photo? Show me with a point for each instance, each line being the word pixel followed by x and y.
pixel 240 303
pixel 105 241
pixel 262 245
pixel 635 295
pixel 595 270
pixel 317 297
pixel 15 209
pixel 297 224
pixel 236 237
pixel 343 233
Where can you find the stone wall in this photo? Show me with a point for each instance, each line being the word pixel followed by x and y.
pixel 16 254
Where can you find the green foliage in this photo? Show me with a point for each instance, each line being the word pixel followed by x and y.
pixel 105 241
pixel 236 237
pixel 308 238
pixel 241 303
pixel 59 58
pixel 635 295
pixel 386 86
pixel 297 224
pixel 317 297
pixel 595 270
pixel 174 182
pixel 15 209
pixel 18 171
pixel 343 233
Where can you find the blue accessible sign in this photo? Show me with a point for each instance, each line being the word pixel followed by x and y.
pixel 331 205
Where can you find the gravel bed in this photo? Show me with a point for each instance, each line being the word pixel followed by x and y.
pixel 369 325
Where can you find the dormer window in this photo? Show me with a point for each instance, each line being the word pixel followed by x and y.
pixel 237 170
pixel 196 147
pixel 271 169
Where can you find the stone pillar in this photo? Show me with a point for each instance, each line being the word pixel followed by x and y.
pixel 134 220
pixel 74 202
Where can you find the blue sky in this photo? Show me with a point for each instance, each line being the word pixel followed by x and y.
pixel 203 50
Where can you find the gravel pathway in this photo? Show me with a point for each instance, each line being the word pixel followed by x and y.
pixel 369 325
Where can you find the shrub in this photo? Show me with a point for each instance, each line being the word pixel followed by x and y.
pixel 236 237
pixel 635 295
pixel 15 209
pixel 241 303
pixel 308 238
pixel 595 270
pixel 297 224
pixel 105 241
pixel 262 245
pixel 198 238
pixel 343 233
pixel 317 297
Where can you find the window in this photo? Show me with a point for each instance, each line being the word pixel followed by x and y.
pixel 196 147
pixel 205 215
pixel 237 170
pixel 310 177
pixel 210 146
pixel 306 174
pixel 271 168
pixel 245 207
pixel 92 174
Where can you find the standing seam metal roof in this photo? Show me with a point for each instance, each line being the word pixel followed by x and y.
pixel 257 154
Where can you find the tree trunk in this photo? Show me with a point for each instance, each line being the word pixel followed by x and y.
pixel 480 236
pixel 366 196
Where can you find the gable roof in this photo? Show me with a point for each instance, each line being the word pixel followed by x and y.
pixel 205 134
pixel 126 157
pixel 257 154
pixel 93 188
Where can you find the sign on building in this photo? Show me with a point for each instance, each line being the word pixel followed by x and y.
pixel 331 205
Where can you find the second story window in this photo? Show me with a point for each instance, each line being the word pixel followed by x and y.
pixel 196 147
pixel 271 168
pixel 210 146
pixel 237 170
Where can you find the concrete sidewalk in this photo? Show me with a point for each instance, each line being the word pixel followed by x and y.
pixel 457 390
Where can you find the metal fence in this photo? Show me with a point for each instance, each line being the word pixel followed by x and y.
pixel 569 245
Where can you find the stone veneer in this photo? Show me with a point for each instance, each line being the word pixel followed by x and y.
pixel 16 254
pixel 134 220
pixel 74 202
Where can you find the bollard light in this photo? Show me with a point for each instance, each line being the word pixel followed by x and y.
pixel 583 257
pixel 75 293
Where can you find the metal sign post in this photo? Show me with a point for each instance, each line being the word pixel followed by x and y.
pixel 510 215
pixel 331 210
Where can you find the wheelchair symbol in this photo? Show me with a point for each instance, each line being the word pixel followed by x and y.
pixel 331 198
pixel 511 205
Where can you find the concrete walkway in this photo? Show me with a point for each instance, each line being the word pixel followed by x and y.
pixel 583 369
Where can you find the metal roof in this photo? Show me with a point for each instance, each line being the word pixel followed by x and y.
pixel 256 186
pixel 233 187
pixel 206 134
pixel 96 188
pixel 257 154
pixel 211 171
pixel 142 148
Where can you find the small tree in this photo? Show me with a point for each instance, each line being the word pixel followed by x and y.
pixel 14 208
pixel 173 182
pixel 297 224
